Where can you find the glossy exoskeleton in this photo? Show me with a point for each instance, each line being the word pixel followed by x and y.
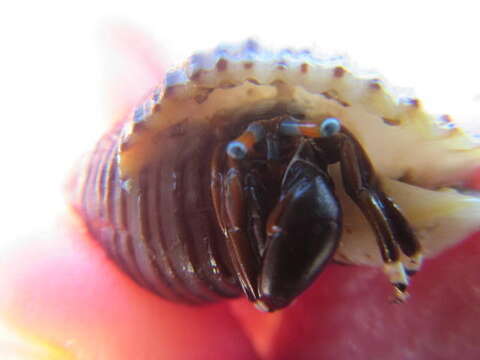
pixel 279 213
pixel 256 212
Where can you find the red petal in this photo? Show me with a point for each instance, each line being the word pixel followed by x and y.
pixel 346 314
pixel 59 286
pixel 134 64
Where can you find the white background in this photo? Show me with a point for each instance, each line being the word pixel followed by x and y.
pixel 54 70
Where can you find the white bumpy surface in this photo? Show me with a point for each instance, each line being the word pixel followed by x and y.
pixel 419 157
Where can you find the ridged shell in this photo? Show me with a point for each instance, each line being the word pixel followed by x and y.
pixel 420 158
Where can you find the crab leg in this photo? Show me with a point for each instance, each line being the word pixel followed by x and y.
pixel 234 215
pixel 238 197
pixel 405 238
pixel 391 228
pixel 254 189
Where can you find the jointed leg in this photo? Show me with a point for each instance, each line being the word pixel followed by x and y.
pixel 304 220
pixel 390 226
pixel 231 206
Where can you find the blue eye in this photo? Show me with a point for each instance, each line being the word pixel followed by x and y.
pixel 237 150
pixel 330 126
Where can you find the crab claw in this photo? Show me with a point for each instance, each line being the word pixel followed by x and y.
pixel 303 232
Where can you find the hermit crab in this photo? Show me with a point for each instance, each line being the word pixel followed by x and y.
pixel 248 170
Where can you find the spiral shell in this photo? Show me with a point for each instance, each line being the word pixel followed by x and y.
pixel 144 191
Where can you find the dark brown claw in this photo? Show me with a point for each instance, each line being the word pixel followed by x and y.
pixel 303 231
pixel 280 237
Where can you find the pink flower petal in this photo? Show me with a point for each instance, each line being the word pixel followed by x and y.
pixel 59 286
pixel 346 314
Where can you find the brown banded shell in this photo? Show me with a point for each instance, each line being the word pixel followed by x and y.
pixel 145 190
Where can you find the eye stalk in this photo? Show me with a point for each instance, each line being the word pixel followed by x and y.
pixel 255 132
pixel 330 126
pixel 238 148
pixel 293 127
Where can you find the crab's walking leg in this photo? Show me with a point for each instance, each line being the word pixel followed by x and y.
pixel 390 227
pixel 405 238
pixel 254 189
pixel 230 201
pixel 238 197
